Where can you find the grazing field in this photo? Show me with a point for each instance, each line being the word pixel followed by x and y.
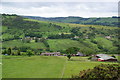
pixel 63 44
pixel 19 43
pixel 107 44
pixel 32 67
pixel 44 66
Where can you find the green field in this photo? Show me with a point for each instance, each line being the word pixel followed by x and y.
pixel 63 44
pixel 19 43
pixel 44 66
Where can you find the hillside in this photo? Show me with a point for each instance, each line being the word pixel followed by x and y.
pixel 21 33
pixel 105 21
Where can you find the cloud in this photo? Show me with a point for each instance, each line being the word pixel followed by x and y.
pixel 59 9
pixel 60 0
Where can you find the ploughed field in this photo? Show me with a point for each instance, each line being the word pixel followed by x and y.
pixel 45 66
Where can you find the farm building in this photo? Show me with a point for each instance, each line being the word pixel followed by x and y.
pixel 51 54
pixel 104 57
pixel 108 37
pixel 79 54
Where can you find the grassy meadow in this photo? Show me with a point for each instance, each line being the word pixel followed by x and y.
pixel 63 44
pixel 45 66
pixel 19 43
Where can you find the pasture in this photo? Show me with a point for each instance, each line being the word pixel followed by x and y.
pixel 45 66
pixel 63 44
pixel 19 43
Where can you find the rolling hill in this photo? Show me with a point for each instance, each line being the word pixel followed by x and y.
pixel 49 36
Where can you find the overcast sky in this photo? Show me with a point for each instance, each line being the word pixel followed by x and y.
pixel 61 9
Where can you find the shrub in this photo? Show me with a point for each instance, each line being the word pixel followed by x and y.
pixel 9 51
pixel 113 56
pixel 18 52
pixel 100 72
pixel 29 53
pixel 69 56
pixel 89 58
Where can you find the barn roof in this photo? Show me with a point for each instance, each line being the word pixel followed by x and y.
pixel 101 55
pixel 78 53
pixel 105 56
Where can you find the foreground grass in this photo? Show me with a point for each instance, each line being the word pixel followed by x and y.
pixel 32 67
pixel 44 66
pixel 77 64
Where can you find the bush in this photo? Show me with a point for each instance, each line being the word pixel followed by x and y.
pixel 69 56
pixel 89 58
pixel 113 56
pixel 29 53
pixel 18 52
pixel 100 72
pixel 4 52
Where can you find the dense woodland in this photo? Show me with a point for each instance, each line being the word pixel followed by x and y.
pixel 21 35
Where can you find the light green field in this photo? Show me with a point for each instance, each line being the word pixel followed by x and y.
pixel 63 44
pixel 19 43
pixel 44 66
pixel 105 43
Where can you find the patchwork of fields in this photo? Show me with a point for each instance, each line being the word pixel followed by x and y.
pixel 45 66
pixel 62 44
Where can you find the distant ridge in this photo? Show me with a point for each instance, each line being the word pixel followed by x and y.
pixel 105 21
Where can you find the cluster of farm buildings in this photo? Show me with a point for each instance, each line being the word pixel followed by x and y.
pixel 98 57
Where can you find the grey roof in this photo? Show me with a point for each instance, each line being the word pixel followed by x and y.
pixel 105 56
pixel 101 55
pixel 80 54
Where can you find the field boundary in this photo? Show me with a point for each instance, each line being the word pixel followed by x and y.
pixel 63 69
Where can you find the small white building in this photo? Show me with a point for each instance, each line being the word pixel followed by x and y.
pixel 80 54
